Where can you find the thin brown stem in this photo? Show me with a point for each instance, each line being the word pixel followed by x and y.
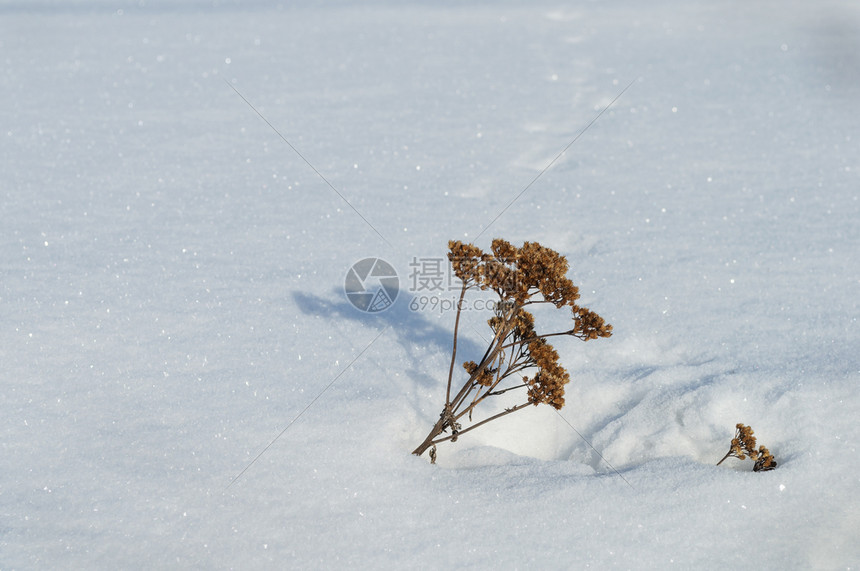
pixel 428 442
pixel 528 340
pixel 503 391
pixel 485 421
pixel 492 389
pixel 486 362
pixel 454 349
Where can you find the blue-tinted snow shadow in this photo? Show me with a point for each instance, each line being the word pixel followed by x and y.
pixel 412 330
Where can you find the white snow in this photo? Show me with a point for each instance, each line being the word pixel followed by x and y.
pixel 171 281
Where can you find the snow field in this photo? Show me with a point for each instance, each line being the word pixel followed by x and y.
pixel 171 282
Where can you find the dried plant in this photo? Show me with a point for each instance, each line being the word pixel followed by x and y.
pixel 520 277
pixel 743 445
pixel 765 460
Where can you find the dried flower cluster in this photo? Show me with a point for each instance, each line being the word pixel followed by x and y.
pixel 520 277
pixel 743 445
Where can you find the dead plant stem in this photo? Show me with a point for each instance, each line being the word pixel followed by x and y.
pixel 454 349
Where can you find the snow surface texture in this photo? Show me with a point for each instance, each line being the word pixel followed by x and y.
pixel 171 282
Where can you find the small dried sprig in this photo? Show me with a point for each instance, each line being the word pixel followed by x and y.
pixel 765 460
pixel 520 277
pixel 743 445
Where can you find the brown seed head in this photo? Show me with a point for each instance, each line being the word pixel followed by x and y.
pixel 765 460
